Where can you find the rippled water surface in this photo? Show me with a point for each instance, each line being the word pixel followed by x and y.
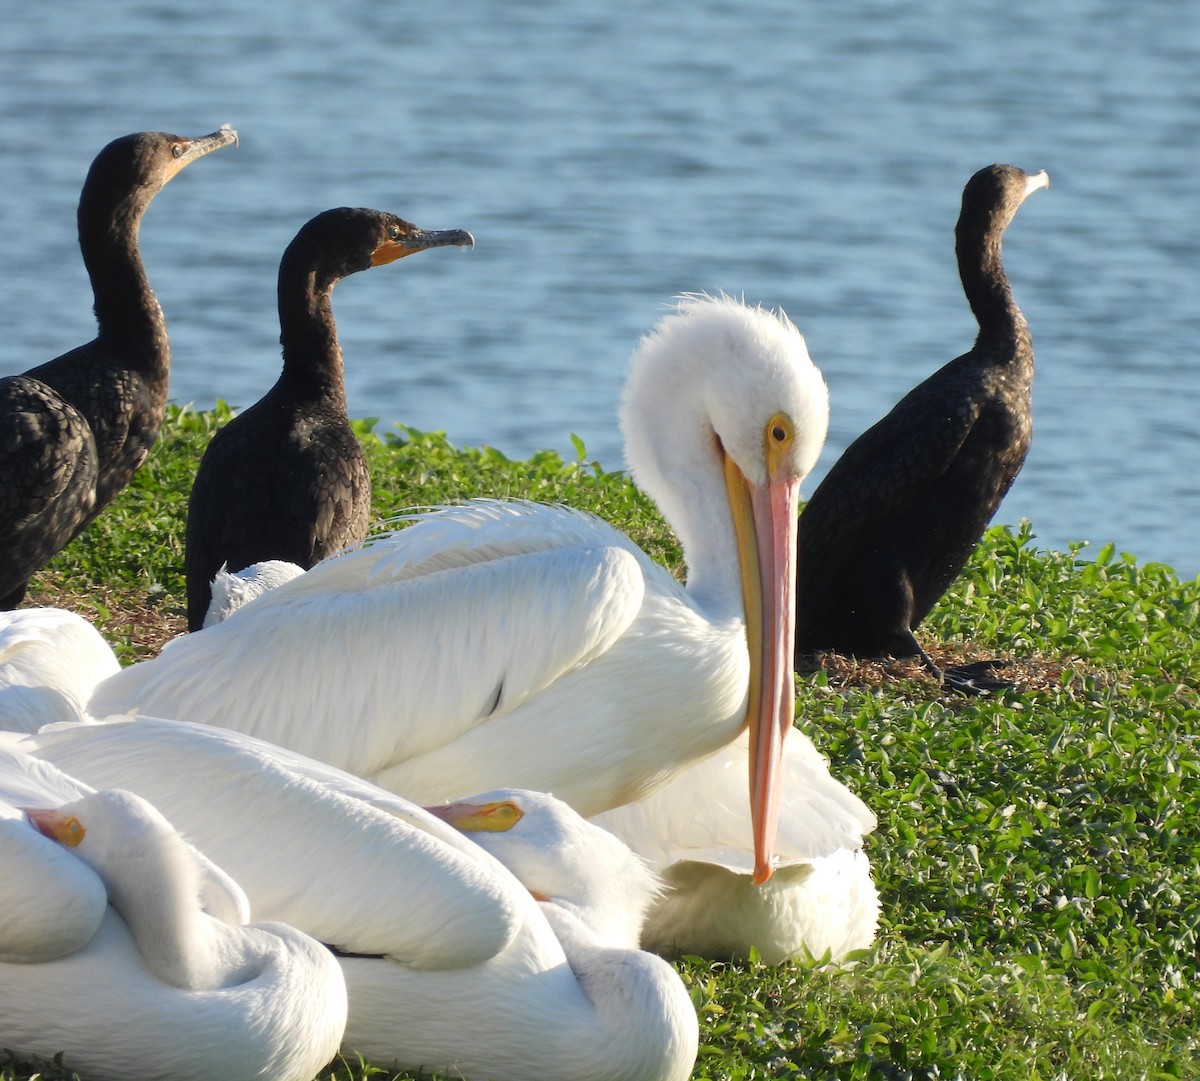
pixel 610 155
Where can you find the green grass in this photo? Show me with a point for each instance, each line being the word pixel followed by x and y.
pixel 1038 852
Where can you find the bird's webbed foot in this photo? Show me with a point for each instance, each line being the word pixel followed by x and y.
pixel 968 679
pixel 974 678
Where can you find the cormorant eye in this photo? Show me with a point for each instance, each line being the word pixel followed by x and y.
pixel 177 151
pixel 394 232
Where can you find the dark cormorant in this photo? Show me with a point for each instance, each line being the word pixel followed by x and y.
pixel 286 479
pixel 895 519
pixel 74 430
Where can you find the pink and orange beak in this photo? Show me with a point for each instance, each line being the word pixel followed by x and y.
pixel 64 828
pixel 466 817
pixel 765 525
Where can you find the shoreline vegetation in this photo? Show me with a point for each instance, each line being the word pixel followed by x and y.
pixel 1038 850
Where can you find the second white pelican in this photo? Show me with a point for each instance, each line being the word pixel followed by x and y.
pixel 521 645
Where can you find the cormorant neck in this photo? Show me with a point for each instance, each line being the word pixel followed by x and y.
pixel 986 285
pixel 127 311
pixel 312 357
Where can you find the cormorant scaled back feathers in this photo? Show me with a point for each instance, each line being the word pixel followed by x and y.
pixel 75 429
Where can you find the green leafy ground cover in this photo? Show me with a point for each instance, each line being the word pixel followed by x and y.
pixel 1037 850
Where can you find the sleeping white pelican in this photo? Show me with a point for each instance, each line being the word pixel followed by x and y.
pixel 162 988
pixel 50 659
pixel 821 899
pixel 515 644
pixel 449 961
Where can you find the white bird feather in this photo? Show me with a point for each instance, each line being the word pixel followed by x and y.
pixel 50 660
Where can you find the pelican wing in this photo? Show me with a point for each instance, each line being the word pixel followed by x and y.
pixel 50 660
pixel 26 709
pixel 26 781
pixel 385 653
pixel 356 867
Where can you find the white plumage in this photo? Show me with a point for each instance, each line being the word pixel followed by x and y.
pixel 511 644
pixel 51 903
pixel 160 987
pixel 695 832
pixel 820 900
pixel 231 589
pixel 50 660
pixel 467 973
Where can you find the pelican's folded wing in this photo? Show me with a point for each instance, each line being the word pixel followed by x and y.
pixel 378 673
pixel 308 845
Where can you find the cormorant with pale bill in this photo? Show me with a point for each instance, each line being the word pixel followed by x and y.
pixel 896 518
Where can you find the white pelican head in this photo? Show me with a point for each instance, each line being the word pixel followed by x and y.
pixel 562 858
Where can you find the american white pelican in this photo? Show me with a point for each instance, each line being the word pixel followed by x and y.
pixel 50 660
pixel 514 644
pixel 162 988
pixel 229 590
pixel 820 900
pixel 604 1008
pixel 695 833
pixel 449 961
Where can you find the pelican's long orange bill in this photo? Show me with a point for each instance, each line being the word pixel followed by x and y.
pixel 765 524
pixel 776 512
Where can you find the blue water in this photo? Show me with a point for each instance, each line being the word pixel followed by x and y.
pixel 608 155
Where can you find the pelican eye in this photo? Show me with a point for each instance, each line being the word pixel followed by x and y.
pixel 779 435
pixel 779 431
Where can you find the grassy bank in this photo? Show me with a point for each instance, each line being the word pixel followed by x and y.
pixel 1037 851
